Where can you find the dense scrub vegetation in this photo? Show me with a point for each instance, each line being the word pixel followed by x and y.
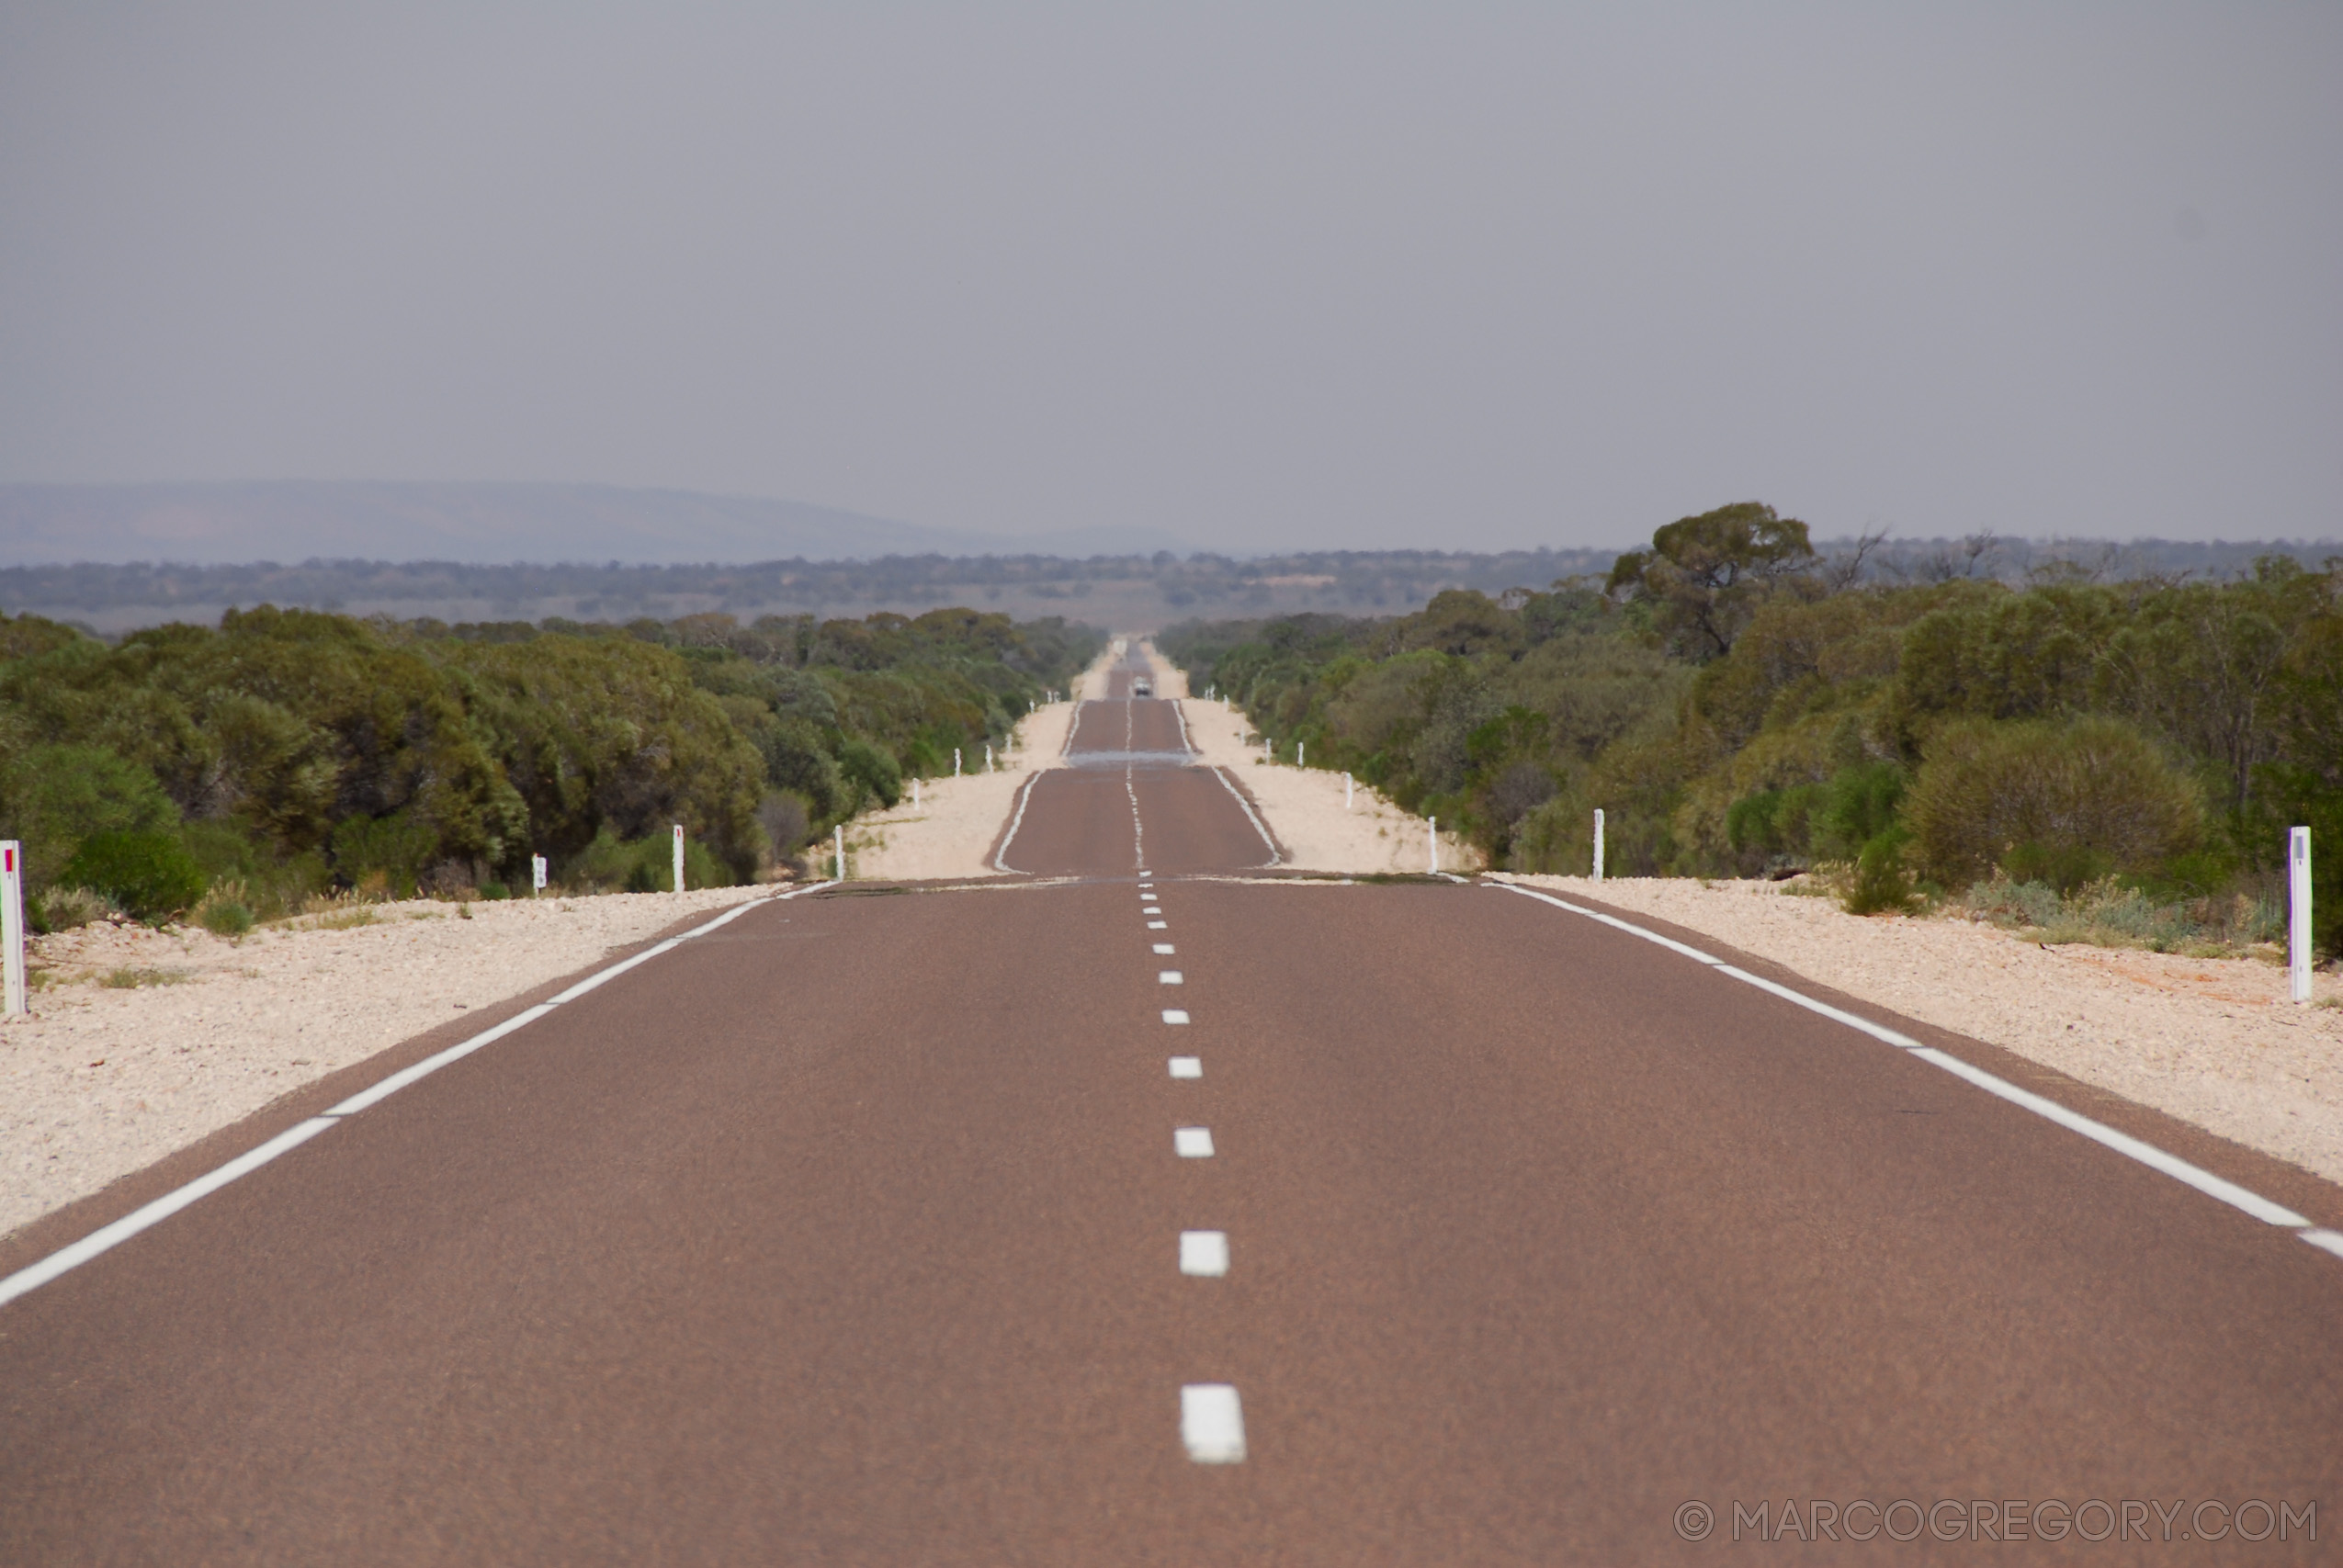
pixel 288 752
pixel 1740 707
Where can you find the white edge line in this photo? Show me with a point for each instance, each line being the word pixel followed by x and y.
pixel 2147 1154
pixel 1001 855
pixel 106 1237
pixel 1185 745
pixel 1222 774
pixel 431 1063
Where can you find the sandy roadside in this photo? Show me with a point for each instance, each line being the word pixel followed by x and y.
pixel 105 1079
pixel 950 829
pixel 2214 1042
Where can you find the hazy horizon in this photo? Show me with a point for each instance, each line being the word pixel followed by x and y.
pixel 1254 279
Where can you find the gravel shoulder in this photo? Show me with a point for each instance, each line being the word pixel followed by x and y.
pixel 2213 1041
pixel 144 1041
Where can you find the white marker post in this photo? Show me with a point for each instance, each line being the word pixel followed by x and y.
pixel 12 924
pixel 842 851
pixel 1435 845
pixel 2298 907
pixel 1301 753
pixel 1268 750
pixel 915 794
pixel 536 874
pixel 1598 843
pixel 679 857
pixel 955 762
pixel 988 757
pixel 1346 791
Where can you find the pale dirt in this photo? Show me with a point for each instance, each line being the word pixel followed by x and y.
pixel 100 1081
pixel 2214 1042
pixel 952 828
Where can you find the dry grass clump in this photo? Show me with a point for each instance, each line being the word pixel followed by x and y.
pixel 2108 913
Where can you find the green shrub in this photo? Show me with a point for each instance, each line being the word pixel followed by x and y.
pixel 1882 885
pixel 224 917
pixel 151 875
pixel 398 846
pixel 492 891
pixel 2063 800
pixel 54 798
pixel 873 769
pixel 611 864
pixel 1856 807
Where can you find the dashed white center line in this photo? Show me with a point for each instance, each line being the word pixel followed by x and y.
pixel 1163 948
pixel 1192 1142
pixel 1170 977
pixel 1175 1015
pixel 1212 1423
pixel 1187 1066
pixel 1158 926
pixel 1204 1254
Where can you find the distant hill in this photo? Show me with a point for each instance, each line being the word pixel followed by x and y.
pixel 472 525
pixel 1126 592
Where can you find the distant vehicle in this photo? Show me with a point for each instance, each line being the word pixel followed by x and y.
pixel 1142 687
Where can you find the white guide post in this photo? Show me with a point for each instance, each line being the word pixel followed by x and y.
pixel 12 923
pixel 955 762
pixel 842 851
pixel 1346 791
pixel 1268 750
pixel 536 874
pixel 1598 843
pixel 988 757
pixel 2298 910
pixel 1301 753
pixel 915 794
pixel 679 857
pixel 1435 844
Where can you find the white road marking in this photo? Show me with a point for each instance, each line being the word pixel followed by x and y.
pixel 2325 1240
pixel 1222 774
pixel 1158 926
pixel 108 1237
pixel 2147 1154
pixel 1178 712
pixel 1212 1423
pixel 1138 828
pixel 1204 1254
pixel 1192 1142
pixel 1001 855
pixel 1187 1066
pixel 1163 948
pixel 1145 886
pixel 1175 1015
pixel 1170 977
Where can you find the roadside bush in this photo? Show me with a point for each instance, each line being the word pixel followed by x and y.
pixel 871 770
pixel 610 865
pixel 150 875
pixel 786 822
pixel 62 909
pixel 54 798
pixel 223 911
pixel 2065 802
pixel 397 847
pixel 1882 885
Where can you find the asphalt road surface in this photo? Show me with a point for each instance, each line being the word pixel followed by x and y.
pixel 851 1233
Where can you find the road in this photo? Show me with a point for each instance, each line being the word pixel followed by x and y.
pixel 850 1233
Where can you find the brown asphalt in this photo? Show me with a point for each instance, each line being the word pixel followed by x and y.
pixel 847 1235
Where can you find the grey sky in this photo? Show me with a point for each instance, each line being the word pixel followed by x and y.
pixel 1261 275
